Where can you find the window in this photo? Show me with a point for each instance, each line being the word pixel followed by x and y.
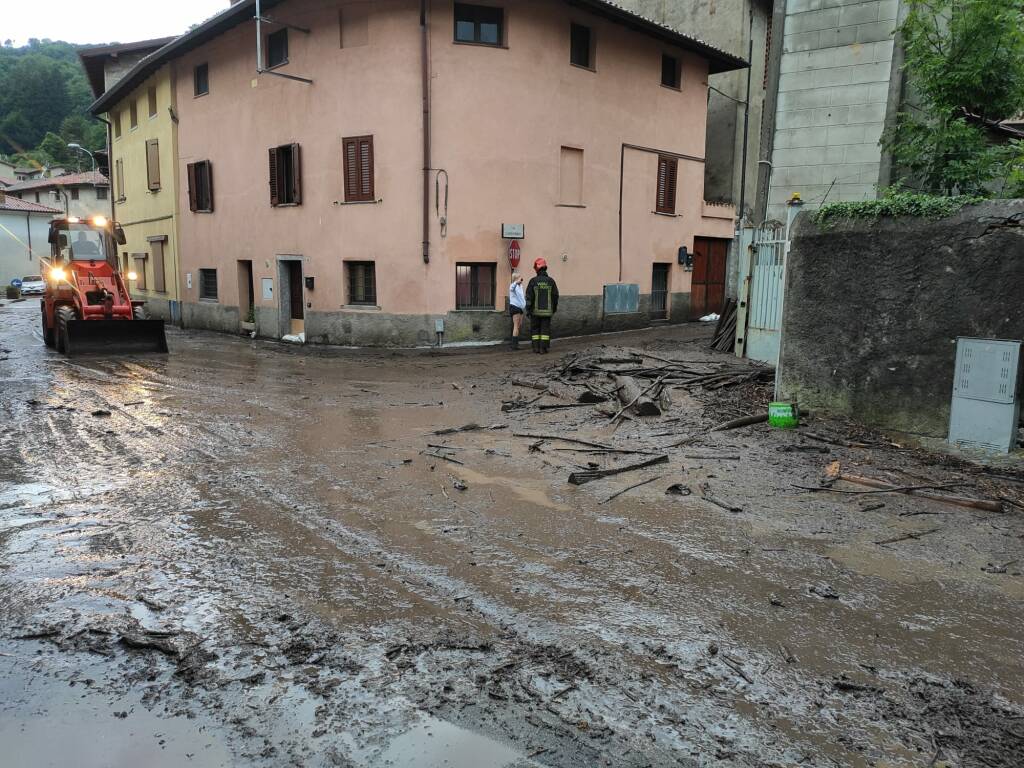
pixel 74 193
pixel 200 187
pixel 354 21
pixel 153 165
pixel 358 169
pixel 201 79
pixel 474 286
pixel 277 48
pixel 362 282
pixel 479 24
pixel 151 95
pixel 667 169
pixel 133 115
pixel 101 193
pixel 119 178
pixel 285 175
pixel 37 197
pixel 124 263
pixel 140 270
pixel 671 71
pixel 115 118
pixel 581 46
pixel 159 278
pixel 570 180
pixel 208 284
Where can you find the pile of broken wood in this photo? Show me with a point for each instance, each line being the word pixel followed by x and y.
pixel 633 385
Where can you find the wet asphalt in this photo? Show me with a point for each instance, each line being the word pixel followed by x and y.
pixel 252 554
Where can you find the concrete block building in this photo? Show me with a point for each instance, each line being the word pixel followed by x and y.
pixel 24 228
pixel 356 171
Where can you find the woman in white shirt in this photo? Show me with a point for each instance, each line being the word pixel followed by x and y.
pixel 516 306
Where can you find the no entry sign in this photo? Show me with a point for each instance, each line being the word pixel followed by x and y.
pixel 514 253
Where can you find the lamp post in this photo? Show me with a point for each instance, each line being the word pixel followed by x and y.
pixel 80 148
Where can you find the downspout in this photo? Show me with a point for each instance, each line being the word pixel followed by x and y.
pixel 425 67
pixel 110 161
pixel 746 122
pixel 28 230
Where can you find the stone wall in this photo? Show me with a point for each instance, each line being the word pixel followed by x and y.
pixel 873 310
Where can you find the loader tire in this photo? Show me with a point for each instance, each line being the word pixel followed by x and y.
pixel 48 333
pixel 64 316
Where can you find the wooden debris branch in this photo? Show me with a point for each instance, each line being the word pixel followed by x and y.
pixel 630 488
pixel 586 476
pixel 908 536
pixel 743 421
pixel 987 505
pixel 632 396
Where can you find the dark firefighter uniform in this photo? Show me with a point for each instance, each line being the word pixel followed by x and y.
pixel 541 305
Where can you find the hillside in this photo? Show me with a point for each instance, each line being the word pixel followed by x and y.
pixel 44 98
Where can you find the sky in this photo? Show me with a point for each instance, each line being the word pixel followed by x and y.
pixel 102 21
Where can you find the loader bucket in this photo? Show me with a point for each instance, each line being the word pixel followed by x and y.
pixel 115 337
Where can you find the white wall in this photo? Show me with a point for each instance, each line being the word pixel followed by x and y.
pixel 15 259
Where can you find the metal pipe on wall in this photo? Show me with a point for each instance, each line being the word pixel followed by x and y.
pixel 425 67
pixel 746 122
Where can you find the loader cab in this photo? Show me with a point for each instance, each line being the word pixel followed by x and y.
pixel 73 239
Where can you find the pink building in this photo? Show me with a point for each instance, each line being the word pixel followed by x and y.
pixel 577 126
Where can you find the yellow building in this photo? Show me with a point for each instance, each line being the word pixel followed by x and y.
pixel 143 139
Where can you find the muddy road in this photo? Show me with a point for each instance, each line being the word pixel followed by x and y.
pixel 249 554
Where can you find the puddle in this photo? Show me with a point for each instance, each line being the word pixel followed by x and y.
pixel 434 743
pixel 515 484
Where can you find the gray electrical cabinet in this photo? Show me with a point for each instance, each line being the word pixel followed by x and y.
pixel 986 394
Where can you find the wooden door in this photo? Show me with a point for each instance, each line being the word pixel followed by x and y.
pixel 707 292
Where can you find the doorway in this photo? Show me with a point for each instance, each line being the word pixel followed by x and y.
pixel 659 292
pixel 707 291
pixel 246 292
pixel 292 302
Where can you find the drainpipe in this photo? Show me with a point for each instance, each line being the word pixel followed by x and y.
pixel 425 67
pixel 110 160
pixel 746 121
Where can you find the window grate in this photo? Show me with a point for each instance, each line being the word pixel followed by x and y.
pixel 208 284
pixel 475 286
pixel 362 282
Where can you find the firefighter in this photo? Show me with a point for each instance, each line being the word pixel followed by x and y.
pixel 541 305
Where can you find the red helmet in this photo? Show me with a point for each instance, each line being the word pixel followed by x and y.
pixel 539 264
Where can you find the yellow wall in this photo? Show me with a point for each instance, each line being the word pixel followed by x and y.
pixel 143 213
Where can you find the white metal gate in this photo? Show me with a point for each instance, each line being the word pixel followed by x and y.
pixel 762 279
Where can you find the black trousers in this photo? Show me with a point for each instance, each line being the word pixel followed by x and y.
pixel 540 331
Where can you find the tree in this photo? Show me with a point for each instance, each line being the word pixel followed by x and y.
pixel 965 60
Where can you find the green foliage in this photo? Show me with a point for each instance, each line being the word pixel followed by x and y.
pixel 894 203
pixel 966 61
pixel 42 84
pixel 11 292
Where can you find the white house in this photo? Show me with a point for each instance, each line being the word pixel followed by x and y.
pixel 24 226
pixel 77 194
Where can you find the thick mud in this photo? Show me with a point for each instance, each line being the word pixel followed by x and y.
pixel 251 554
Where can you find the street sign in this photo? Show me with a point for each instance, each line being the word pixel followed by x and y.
pixel 16 283
pixel 514 253
pixel 513 231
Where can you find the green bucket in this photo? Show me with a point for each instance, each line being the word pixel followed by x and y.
pixel 783 415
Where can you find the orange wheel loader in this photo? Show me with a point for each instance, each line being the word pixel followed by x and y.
pixel 87 307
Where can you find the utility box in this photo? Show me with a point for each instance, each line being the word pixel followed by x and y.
pixel 986 395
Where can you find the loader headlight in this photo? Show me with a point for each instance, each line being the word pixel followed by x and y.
pixel 57 274
pixel 99 221
pixel 133 276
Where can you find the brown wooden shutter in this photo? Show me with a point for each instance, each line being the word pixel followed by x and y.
pixel 119 168
pixel 153 164
pixel 666 198
pixel 359 169
pixel 296 173
pixel 159 279
pixel 192 189
pixel 275 198
pixel 208 169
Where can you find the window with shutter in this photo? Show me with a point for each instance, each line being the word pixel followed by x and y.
pixel 116 120
pixel 119 178
pixel 140 270
pixel 277 48
pixel 156 247
pixel 666 199
pixel 285 175
pixel 362 282
pixel 133 114
pixel 151 96
pixel 358 155
pixel 208 284
pixel 200 187
pixel 153 164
